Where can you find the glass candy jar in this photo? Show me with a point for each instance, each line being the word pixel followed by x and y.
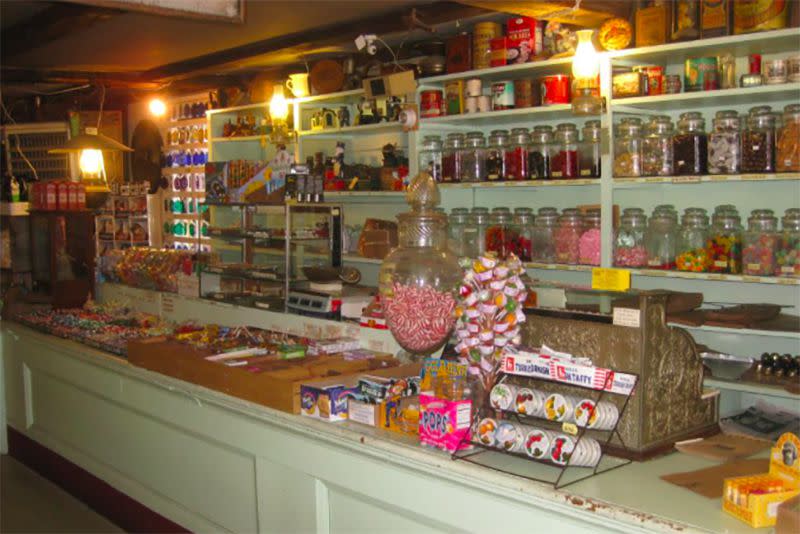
pixel 567 238
pixel 516 157
pixel 660 241
pixel 628 148
pixel 589 244
pixel 759 244
pixel 758 144
pixel 691 253
pixel 690 145
pixel 418 280
pixel 725 243
pixel 479 219
pixel 724 144
pixel 461 234
pixel 540 152
pixel 788 149
pixel 501 235
pixel 496 155
pixel 523 223
pixel 589 150
pixel 564 163
pixel 788 253
pixel 657 147
pixel 629 249
pixel 452 166
pixel 473 158
pixel 544 227
pixel 430 156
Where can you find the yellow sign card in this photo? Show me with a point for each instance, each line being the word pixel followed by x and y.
pixel 611 279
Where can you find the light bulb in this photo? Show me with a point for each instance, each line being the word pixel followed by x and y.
pixel 157 107
pixel 91 161
pixel 278 106
pixel 586 63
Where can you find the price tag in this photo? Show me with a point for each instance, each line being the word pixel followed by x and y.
pixel 654 180
pixel 611 279
pixel 750 279
pixel 167 304
pixel 569 428
pixel 756 177
pixel 630 317
pixel 716 277
pixel 787 281
pixel 718 178
pixel 686 180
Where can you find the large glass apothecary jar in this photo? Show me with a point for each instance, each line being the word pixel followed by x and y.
pixel 690 145
pixel 759 244
pixel 629 249
pixel 661 241
pixel 567 238
pixel 501 235
pixel 724 144
pixel 430 156
pixel 496 155
pixel 473 158
pixel 418 280
pixel 788 146
pixel 517 155
pixel 758 144
pixel 657 147
pixel 540 152
pixel 564 162
pixel 523 223
pixel 589 245
pixel 543 237
pixel 628 148
pixel 725 243
pixel 788 253
pixel 479 219
pixel 452 165
pixel 461 234
pixel 589 150
pixel 691 254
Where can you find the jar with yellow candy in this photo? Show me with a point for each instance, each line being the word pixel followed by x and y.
pixel 692 254
pixel 724 244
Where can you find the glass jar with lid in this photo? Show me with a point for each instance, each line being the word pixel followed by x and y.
pixel 540 152
pixel 695 211
pixel 461 233
pixel 690 145
pixel 788 150
pixel 430 156
pixel 589 244
pixel 501 235
pixel 758 144
pixel 788 253
pixel 452 167
pixel 759 244
pixel 496 155
pixel 633 211
pixel 523 223
pixel 660 241
pixel 473 158
pixel 725 243
pixel 589 151
pixel 543 249
pixel 629 249
pixel 666 209
pixel 564 163
pixel 657 147
pixel 724 144
pixel 691 254
pixel 479 220
pixel 567 238
pixel 517 155
pixel 628 148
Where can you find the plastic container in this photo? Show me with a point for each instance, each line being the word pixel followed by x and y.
pixel 690 145
pixel 540 152
pixel 629 249
pixel 691 254
pixel 628 148
pixel 496 155
pixel 524 223
pixel 657 147
pixel 502 236
pixel 452 165
pixel 758 144
pixel 589 150
pixel 430 156
pixel 564 163
pixel 473 158
pixel 661 241
pixel 724 144
pixel 788 251
pixel 479 220
pixel 760 242
pixel 516 157
pixel 567 237
pixel 461 234
pixel 543 249
pixel 725 243
pixel 788 146
pixel 589 245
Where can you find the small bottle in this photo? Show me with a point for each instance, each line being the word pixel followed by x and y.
pixel 690 145
pixel 564 163
pixel 496 156
pixel 473 158
pixel 724 144
pixel 760 243
pixel 657 147
pixel 452 167
pixel 430 157
pixel 628 148
pixel 589 150
pixel 516 157
pixel 540 152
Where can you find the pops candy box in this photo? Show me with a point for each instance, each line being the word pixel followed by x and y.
pixel 445 424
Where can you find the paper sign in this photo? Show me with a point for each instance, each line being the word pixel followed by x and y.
pixel 611 279
pixel 188 285
pixel 627 317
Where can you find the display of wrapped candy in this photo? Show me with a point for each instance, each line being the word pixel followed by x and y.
pixel 147 268
pixel 420 318
pixel 725 254
pixel 787 256
pixel 217 338
pixel 589 247
pixel 758 257
pixel 696 261
pixel 503 241
pixel 635 256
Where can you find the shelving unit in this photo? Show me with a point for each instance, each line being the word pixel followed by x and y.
pixel 122 214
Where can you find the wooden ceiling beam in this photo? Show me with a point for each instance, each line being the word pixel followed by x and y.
pixel 591 13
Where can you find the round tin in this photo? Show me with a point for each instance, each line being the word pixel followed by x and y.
pixel 751 80
pixel 555 89
pixel 482 35
pixel 754 62
pixel 794 69
pixel 523 93
pixel 776 71
pixel 672 84
pixel 503 95
pixel 696 70
pixel 484 103
pixel 431 103
pixel 471 104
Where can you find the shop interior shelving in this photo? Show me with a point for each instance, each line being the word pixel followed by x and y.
pixel 116 224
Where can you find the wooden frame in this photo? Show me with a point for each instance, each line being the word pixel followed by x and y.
pixel 214 10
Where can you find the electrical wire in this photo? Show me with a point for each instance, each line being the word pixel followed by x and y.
pixel 16 143
pixel 394 56
pixel 102 101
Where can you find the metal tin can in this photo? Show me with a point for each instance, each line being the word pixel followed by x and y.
pixel 755 63
pixel 471 104
pixel 655 78
pixel 503 95
pixel 523 93
pixel 555 89
pixel 484 103
pixel 794 69
pixel 776 71
pixel 672 84
pixel 431 104
pixel 482 35
pixel 696 70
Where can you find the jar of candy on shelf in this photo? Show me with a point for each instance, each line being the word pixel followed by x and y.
pixel 589 150
pixel 523 223
pixel 564 163
pixel 695 211
pixel 496 155
pixel 758 144
pixel 628 148
pixel 660 241
pixel 788 253
pixel 543 248
pixel 479 220
pixel 567 238
pixel 633 211
pixel 452 167
pixel 473 158
pixel 461 234
pixel 657 147
pixel 540 152
pixel 690 145
pixel 725 243
pixel 691 254
pixel 788 149
pixel 724 144
pixel 501 235
pixel 589 245
pixel 430 156
pixel 517 155
pixel 759 244
pixel 629 249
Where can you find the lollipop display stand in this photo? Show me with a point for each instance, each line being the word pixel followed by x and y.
pixel 534 419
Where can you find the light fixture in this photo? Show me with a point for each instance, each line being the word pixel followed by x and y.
pixel 586 63
pixel 278 106
pixel 91 162
pixel 157 107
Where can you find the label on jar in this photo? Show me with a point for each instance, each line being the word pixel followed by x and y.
pixel 720 263
pixel 750 279
pixel 716 277
pixel 787 269
pixel 756 177
pixel 787 281
pixel 753 266
pixel 653 263
pixel 557 174
pixel 685 179
pixel 718 177
pixel 586 172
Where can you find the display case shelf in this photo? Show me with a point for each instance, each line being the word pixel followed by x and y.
pixel 522 183
pixel 363 129
pixel 748 387
pixel 540 68
pixel 14 209
pixel 722 97
pixel 343 196
pixel 625 183
pixel 239 138
pixel 717 277
pixel 355 258
pixel 740 331
pixel 166 171
pixel 330 98
pixel 558 266
pixel 503 117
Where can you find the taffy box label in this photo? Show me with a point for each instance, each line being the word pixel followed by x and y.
pixel 436 367
pixel 444 424
pixel 539 366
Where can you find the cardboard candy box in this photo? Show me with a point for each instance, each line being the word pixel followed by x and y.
pixel 445 424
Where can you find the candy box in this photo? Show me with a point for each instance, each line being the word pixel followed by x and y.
pixel 398 414
pixel 436 367
pixel 755 499
pixel 443 423
pixel 328 403
pixel 524 39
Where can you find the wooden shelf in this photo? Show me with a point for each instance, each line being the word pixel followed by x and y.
pixel 625 183
pixel 522 183
pixel 717 277
pixel 722 97
pixel 184 146
pixel 502 117
pixel 364 129
pixel 507 72
pixel 339 96
pixel 14 209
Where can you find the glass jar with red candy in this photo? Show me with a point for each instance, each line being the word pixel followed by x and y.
pixel 589 245
pixel 452 154
pixel 523 222
pixel 564 163
pixel 567 238
pixel 760 243
pixel 589 150
pixel 496 156
pixel 501 235
pixel 516 157
pixel 629 250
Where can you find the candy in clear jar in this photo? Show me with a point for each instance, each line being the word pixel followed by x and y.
pixel 661 241
pixel 628 148
pixel 589 150
pixel 657 147
pixel 758 144
pixel 788 253
pixel 452 165
pixel 690 145
pixel 589 245
pixel 502 235
pixel 564 163
pixel 540 152
pixel 759 244
pixel 724 144
pixel 788 145
pixel 691 254
pixel 725 244
pixel 567 237
pixel 473 158
pixel 430 156
pixel 496 155
pixel 523 223
pixel 629 249
pixel 516 156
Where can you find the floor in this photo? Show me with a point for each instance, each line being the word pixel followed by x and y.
pixel 31 503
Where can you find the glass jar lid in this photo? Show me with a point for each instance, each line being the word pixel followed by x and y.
pixel 570 211
pixel 523 216
pixel 542 134
pixel 454 140
pixel 791 112
pixel 431 142
pixel 634 220
pixel 498 138
pixel 726 123
pixel 762 121
pixel 591 130
pixel 570 219
pixel 629 127
pixel 695 220
pixel 726 114
pixel 475 139
pixel 500 216
pixel 759 110
pixel 692 121
pixel 546 219
pixel 633 211
pixel 549 209
pixel 791 219
pixel 567 136
pixel 762 222
pixel 520 136
pixel 459 216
